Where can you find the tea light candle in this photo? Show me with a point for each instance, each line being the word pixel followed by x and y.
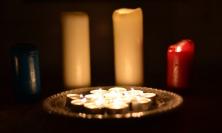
pixel 93 108
pixel 149 95
pixel 76 51
pixel 70 97
pixel 117 107
pixel 116 100
pixel 77 104
pixel 128 44
pixel 179 62
pixel 98 91
pixel 132 92
pixel 90 96
pixel 140 104
pixel 117 89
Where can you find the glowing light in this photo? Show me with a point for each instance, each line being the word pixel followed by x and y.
pixel 178 49
pixel 116 98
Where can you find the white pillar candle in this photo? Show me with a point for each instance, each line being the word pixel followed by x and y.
pixel 76 49
pixel 128 39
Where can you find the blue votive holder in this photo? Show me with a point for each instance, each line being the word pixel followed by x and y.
pixel 26 73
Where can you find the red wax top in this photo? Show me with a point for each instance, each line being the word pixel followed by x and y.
pixel 182 46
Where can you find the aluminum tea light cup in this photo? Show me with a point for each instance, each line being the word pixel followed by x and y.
pixel 117 107
pixel 92 108
pixel 77 105
pixel 98 91
pixel 149 95
pixel 141 104
pixel 117 89
pixel 70 97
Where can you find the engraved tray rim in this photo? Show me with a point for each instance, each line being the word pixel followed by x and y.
pixel 55 104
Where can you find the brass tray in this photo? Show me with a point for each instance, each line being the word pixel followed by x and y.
pixel 165 102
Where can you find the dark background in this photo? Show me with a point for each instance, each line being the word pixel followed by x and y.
pixel 165 22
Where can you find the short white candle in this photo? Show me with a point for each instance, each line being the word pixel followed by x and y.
pixel 78 102
pixel 74 96
pixel 91 97
pixel 93 108
pixel 128 39
pixel 149 95
pixel 98 91
pixel 118 89
pixel 70 97
pixel 76 51
pixel 132 92
pixel 117 107
pixel 140 104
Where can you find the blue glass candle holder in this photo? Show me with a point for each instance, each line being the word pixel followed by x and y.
pixel 26 72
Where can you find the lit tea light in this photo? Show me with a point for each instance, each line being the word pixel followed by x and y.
pixel 93 108
pixel 141 104
pixel 149 95
pixel 117 107
pixel 134 92
pixel 74 96
pixel 77 104
pixel 117 89
pixel 113 95
pixel 100 101
pixel 70 97
pixel 116 100
pixel 91 97
pixel 99 91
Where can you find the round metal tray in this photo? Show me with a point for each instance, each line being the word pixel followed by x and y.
pixel 165 102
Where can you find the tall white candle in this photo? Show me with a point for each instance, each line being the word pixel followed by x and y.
pixel 128 39
pixel 76 49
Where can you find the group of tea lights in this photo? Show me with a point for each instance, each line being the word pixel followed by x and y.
pixel 115 100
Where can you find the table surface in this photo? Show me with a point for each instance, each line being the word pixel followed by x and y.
pixel 201 112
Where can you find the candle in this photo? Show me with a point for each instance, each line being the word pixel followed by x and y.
pixel 91 97
pixel 141 104
pixel 76 51
pixel 128 39
pixel 134 92
pixel 179 61
pixel 98 91
pixel 116 100
pixel 70 97
pixel 77 104
pixel 117 89
pixel 25 64
pixel 93 108
pixel 117 107
pixel 149 95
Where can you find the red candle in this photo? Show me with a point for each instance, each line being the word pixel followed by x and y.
pixel 179 62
